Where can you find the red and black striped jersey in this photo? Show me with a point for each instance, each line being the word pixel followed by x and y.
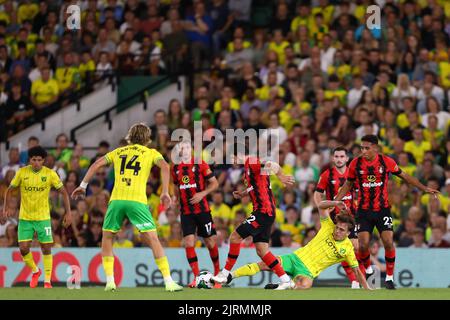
pixel 258 187
pixel 371 179
pixel 190 178
pixel 330 181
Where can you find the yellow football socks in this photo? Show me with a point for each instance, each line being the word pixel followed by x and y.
pixel 48 266
pixel 29 261
pixel 108 266
pixel 163 266
pixel 247 270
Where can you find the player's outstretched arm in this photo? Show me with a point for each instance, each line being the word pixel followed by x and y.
pixel 361 278
pixel 326 204
pixel 274 168
pixel 348 185
pixel 416 183
pixel 165 178
pixel 81 190
pixel 318 197
pixel 67 220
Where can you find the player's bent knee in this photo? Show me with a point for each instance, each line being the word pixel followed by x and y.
pixel 235 237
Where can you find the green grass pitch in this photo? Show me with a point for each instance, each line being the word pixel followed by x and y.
pixel 153 293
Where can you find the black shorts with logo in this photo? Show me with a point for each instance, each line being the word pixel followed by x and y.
pixel 201 223
pixel 366 220
pixel 258 225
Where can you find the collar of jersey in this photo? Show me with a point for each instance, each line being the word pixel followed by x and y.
pixel 34 171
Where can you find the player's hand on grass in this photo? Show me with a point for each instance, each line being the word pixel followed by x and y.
pixel 197 197
pixel 286 180
pixel 78 193
pixel 166 199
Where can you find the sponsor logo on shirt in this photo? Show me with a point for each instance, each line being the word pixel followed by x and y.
pixel 333 248
pixel 188 186
pixel 38 189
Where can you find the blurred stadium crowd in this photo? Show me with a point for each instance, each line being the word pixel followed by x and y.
pixel 310 69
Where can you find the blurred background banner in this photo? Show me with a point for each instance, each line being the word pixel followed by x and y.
pixel 136 267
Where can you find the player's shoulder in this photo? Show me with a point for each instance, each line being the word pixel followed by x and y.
pixel 23 169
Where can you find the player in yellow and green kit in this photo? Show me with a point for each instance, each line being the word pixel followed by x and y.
pixel 330 246
pixel 35 182
pixel 132 165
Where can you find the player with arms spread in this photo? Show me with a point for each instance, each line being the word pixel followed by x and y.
pixel 329 183
pixel 331 245
pixel 35 182
pixel 132 165
pixel 259 224
pixel 190 179
pixel 370 172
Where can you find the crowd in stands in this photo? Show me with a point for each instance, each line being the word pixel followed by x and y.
pixel 314 72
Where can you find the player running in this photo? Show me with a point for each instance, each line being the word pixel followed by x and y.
pixel 371 171
pixel 259 224
pixel 35 182
pixel 331 245
pixel 190 179
pixel 132 164
pixel 329 183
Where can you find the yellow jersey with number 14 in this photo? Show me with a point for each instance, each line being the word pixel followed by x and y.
pixel 132 165
pixel 34 192
pixel 323 251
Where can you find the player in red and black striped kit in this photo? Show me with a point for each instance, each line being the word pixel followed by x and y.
pixel 190 180
pixel 259 224
pixel 330 181
pixel 370 172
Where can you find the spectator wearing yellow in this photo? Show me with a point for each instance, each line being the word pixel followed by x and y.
pixel 227 96
pixel 27 11
pixel 218 208
pixel 279 44
pixel 303 18
pixel 335 91
pixel 68 77
pixel 432 134
pixel 406 166
pixel 22 36
pixel 44 91
pixel 319 29
pixel 326 9
pixel 271 88
pixel 121 240
pixel 418 146
pixel 238 34
pixel 292 224
pixel 87 66
pixel 408 107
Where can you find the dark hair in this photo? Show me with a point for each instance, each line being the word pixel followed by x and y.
pixel 104 144
pixel 370 138
pixel 37 151
pixel 346 218
pixel 340 148
pixel 33 138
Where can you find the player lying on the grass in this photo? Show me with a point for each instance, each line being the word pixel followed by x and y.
pixel 35 182
pixel 330 246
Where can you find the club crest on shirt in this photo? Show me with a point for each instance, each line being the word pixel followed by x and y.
pixel 43 179
pixel 342 251
pixel 185 179
pixel 371 178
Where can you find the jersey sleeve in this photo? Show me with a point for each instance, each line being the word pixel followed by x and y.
pixel 156 156
pixel 392 166
pixel 352 170
pixel 351 258
pixel 206 171
pixel 326 223
pixel 323 182
pixel 109 157
pixel 17 179
pixel 55 181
